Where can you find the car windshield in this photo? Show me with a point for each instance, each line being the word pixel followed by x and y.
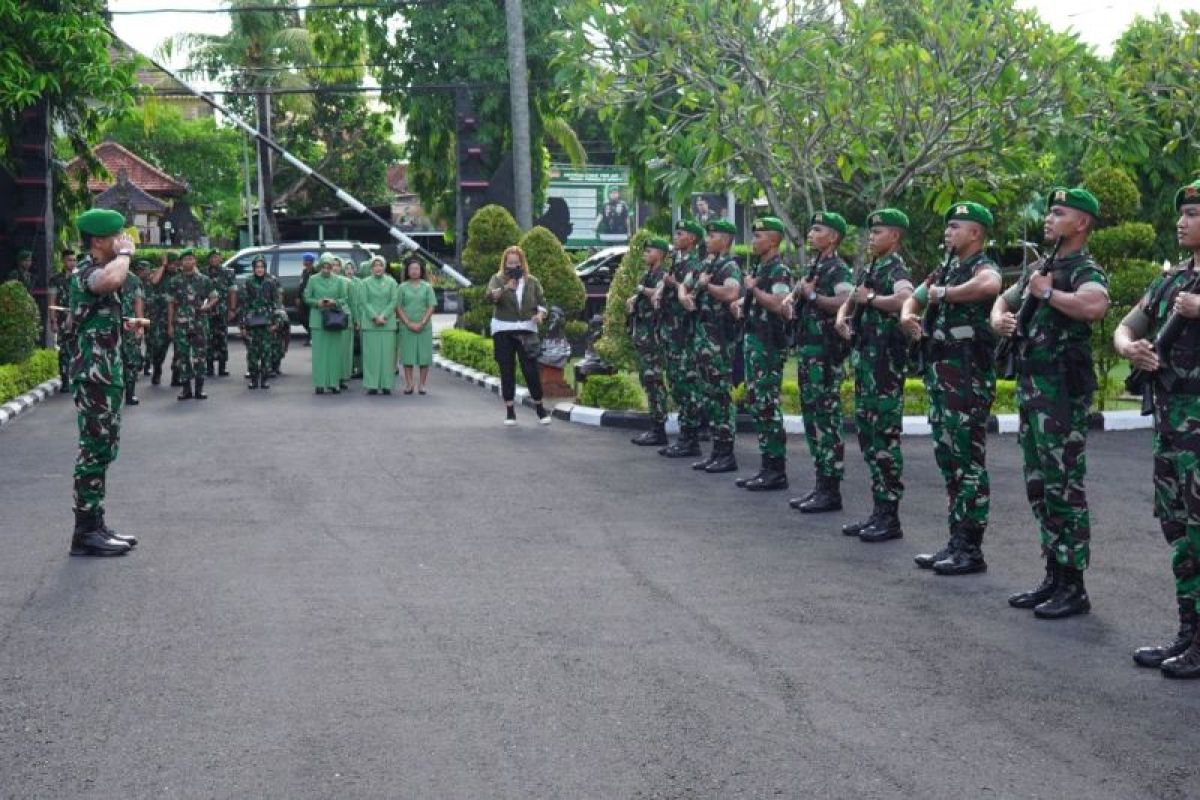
pixel 591 262
pixel 241 265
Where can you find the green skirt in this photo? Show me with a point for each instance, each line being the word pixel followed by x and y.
pixel 379 359
pixel 416 349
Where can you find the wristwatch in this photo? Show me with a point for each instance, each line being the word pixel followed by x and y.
pixel 124 252
pixel 1046 294
pixel 940 291
pixel 812 296
pixel 870 297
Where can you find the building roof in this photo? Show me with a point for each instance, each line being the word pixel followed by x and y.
pixel 116 159
pixel 129 199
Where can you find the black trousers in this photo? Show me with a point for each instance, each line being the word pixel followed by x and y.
pixel 508 349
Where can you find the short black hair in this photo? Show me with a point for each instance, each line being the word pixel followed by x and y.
pixel 418 261
pixel 68 252
pixel 85 241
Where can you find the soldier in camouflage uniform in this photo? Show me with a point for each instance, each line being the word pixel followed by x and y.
pixel 679 333
pixel 880 359
pixel 132 308
pixel 218 320
pixel 23 272
pixel 709 292
pixel 645 331
pixel 191 296
pixel 157 340
pixel 820 359
pixel 258 301
pixel 64 337
pixel 1176 394
pixel 97 375
pixel 767 288
pixel 959 369
pixel 1055 382
pixel 281 339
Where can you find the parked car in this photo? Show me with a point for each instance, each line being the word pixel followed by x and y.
pixel 597 272
pixel 286 261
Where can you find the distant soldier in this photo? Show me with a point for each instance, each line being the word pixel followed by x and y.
pixel 154 287
pixel 218 321
pixel 259 299
pixel 23 273
pixel 646 333
pixel 679 335
pixel 882 359
pixel 191 296
pixel 310 266
pixel 132 309
pixel 1055 383
pixel 281 339
pixel 64 336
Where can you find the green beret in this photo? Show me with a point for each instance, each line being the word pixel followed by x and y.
pixel 26 253
pixel 172 256
pixel 721 226
pixel 768 224
pixel 830 219
pixel 890 217
pixel 144 262
pixel 1078 198
pixel 970 212
pixel 212 253
pixel 187 251
pixel 1188 195
pixel 690 226
pixel 100 222
pixel 658 243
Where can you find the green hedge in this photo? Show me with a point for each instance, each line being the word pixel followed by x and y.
pixel 620 391
pixel 16 379
pixel 19 323
pixel 472 350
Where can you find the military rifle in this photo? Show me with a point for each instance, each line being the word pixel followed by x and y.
pixel 1006 353
pixel 1143 382
pixel 855 322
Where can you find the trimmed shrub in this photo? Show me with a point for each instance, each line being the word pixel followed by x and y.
pixel 19 323
pixel 614 345
pixel 1127 240
pixel 16 379
pixel 620 391
pixel 551 265
pixel 478 311
pixel 1117 192
pixel 489 233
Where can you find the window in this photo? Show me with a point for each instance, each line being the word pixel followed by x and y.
pixel 241 265
pixel 291 264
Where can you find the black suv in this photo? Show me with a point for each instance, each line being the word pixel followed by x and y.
pixel 286 262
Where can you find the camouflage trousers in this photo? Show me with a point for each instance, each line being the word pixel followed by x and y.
pixel 99 417
pixel 960 402
pixel 714 357
pixel 157 341
pixel 281 339
pixel 218 337
pixel 131 356
pixel 820 381
pixel 65 342
pixel 1177 487
pixel 260 349
pixel 1052 436
pixel 879 417
pixel 684 384
pixel 191 349
pixel 764 374
pixel 651 367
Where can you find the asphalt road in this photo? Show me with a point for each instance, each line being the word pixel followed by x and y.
pixel 399 597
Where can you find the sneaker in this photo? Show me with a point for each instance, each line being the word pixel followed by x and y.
pixel 511 419
pixel 543 416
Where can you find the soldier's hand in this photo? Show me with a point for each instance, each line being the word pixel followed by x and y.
pixel 737 308
pixel 703 279
pixel 1038 284
pixel 687 302
pixel 788 309
pixel 748 282
pixel 860 294
pixel 843 329
pixel 630 303
pixel 806 287
pixel 1005 324
pixel 124 244
pixel 934 295
pixel 1141 355
pixel 1188 305
pixel 669 279
pixel 911 325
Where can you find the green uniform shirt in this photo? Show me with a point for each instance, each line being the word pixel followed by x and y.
pixel 1051 333
pixel 189 292
pixel 815 327
pixel 96 320
pixel 956 321
pixel 774 278
pixel 887 276
pixel 714 315
pixel 258 296
pixel 1156 305
pixel 678 321
pixel 223 282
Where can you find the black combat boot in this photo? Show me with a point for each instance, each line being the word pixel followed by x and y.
pixel 886 526
pixel 90 540
pixel 64 383
pixel 773 478
pixel 1069 598
pixel 208 370
pixel 186 393
pixel 1155 655
pixel 927 560
pixel 686 446
pixel 855 528
pixel 1186 664
pixel 704 462
pixel 655 437
pixel 1043 591
pixel 826 497
pixel 131 399
pixel 224 373
pixel 967 558
pixel 262 382
pixel 175 378
pixel 723 459
pixel 253 381
pixel 200 395
pixel 156 375
pixel 741 482
pixel 796 502
pixel 120 537
pixel 145 368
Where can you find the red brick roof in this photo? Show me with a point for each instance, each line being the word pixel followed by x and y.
pixel 142 174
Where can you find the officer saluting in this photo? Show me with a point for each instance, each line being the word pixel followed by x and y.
pixel 1174 370
pixel 96 375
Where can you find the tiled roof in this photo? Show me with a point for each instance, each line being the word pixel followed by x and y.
pixel 129 199
pixel 116 159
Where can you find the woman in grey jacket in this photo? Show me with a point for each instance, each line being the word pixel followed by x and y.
pixel 520 306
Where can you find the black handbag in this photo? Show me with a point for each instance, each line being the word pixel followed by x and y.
pixel 334 319
pixel 257 320
pixel 530 342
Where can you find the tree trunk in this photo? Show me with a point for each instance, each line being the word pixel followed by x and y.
pixel 519 98
pixel 267 232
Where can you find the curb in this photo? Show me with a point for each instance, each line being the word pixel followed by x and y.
pixel 22 403
pixel 793 424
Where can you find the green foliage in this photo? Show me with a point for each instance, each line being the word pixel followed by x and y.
pixel 1127 281
pixel 575 329
pixel 472 350
pixel 1127 240
pixel 1118 194
pixel 620 391
pixel 16 379
pixel 477 314
pixel 19 323
pixel 614 345
pixel 489 233
pixel 550 264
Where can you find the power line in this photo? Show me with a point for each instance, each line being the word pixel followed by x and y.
pixel 345 89
pixel 380 6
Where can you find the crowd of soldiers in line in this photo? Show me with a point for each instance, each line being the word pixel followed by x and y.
pixel 179 306
pixel 689 314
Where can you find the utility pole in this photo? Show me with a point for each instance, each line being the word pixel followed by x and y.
pixel 266 196
pixel 519 96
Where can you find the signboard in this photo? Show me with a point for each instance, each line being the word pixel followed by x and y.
pixel 597 201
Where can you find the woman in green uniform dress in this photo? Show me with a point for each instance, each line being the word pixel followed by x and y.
pixel 417 302
pixel 326 291
pixel 378 295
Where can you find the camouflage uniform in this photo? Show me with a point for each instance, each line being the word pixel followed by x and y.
pixel 188 293
pixel 680 333
pixel 281 339
pixel 765 350
pixel 155 309
pixel 97 378
pixel 716 335
pixel 820 367
pixel 131 343
pixel 258 300
pixel 648 344
pixel 1054 391
pixel 879 361
pixel 60 284
pixel 218 333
